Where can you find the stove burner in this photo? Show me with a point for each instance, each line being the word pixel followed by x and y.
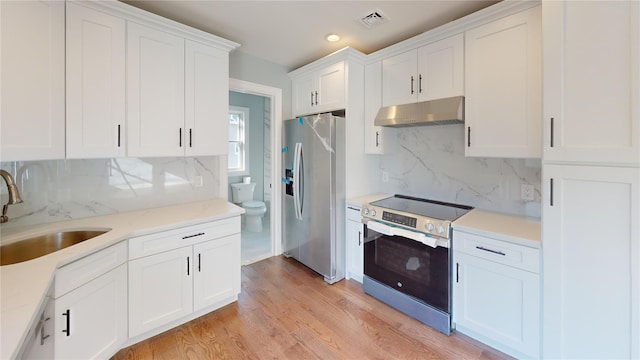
pixel 429 208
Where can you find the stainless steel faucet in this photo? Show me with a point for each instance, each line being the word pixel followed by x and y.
pixel 14 194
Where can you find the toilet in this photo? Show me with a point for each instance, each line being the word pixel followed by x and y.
pixel 242 194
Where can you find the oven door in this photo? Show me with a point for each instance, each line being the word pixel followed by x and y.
pixel 409 266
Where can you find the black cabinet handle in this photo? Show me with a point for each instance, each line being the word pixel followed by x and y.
pixel 190 137
pixel 188 271
pixel 468 136
pixel 551 192
pixel 316 98
pixel 194 235
pixel 180 137
pixel 118 135
pixel 551 139
pixel 491 250
pixel 420 84
pixel 412 85
pixel 312 98
pixel 359 238
pixel 457 272
pixel 377 138
pixel 199 263
pixel 68 315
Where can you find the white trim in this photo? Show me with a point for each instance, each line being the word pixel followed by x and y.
pixel 275 94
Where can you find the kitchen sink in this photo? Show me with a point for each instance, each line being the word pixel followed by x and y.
pixel 37 246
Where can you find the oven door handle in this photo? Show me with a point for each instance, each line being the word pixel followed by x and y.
pixel 395 231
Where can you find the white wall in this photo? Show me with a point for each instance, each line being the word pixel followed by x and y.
pixel 250 68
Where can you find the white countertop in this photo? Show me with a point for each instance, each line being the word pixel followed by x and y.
pixel 362 200
pixel 516 229
pixel 23 286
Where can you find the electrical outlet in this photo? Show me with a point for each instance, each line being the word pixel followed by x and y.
pixel 526 192
pixel 385 176
pixel 198 181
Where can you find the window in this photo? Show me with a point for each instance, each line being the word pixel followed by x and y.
pixel 238 163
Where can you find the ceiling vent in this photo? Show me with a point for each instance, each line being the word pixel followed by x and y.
pixel 373 18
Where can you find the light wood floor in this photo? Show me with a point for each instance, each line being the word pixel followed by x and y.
pixel 286 311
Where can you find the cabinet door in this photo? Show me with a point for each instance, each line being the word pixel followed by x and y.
pixel 217 271
pixel 206 100
pixel 304 95
pixel 160 289
pixel 592 81
pixel 497 304
pixel 399 79
pixel 331 93
pixel 155 92
pixel 503 87
pixel 441 69
pixel 591 233
pixel 95 84
pixel 373 103
pixel 32 67
pixel 40 343
pixel 355 250
pixel 91 321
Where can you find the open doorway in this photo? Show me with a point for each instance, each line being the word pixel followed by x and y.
pixel 259 245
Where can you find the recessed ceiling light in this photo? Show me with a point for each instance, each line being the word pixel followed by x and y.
pixel 332 37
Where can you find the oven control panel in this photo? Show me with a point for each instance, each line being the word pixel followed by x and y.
pixel 399 219
pixel 435 227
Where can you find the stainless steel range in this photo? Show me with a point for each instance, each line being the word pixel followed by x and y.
pixel 407 256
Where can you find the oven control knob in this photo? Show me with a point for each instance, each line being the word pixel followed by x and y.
pixel 373 212
pixel 365 211
pixel 440 229
pixel 430 226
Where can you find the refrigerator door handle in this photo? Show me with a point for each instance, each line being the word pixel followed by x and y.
pixel 297 180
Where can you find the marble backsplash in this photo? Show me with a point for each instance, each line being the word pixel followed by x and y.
pixel 58 190
pixel 429 162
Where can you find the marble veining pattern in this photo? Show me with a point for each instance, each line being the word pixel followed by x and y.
pixel 58 190
pixel 429 162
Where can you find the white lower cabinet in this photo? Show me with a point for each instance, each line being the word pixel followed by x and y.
pixel 90 321
pixel 175 273
pixel 216 272
pixel 160 289
pixel 591 233
pixel 355 243
pixel 496 289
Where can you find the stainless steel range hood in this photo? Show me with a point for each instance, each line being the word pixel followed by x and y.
pixel 432 112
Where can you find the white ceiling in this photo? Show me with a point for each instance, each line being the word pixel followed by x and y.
pixel 291 33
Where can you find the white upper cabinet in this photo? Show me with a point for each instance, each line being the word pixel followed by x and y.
pixel 155 92
pixel 32 66
pixel 503 87
pixel 433 71
pixel 206 99
pixel 319 91
pixel 372 104
pixel 592 82
pixel 95 84
pixel 399 79
pixel 441 69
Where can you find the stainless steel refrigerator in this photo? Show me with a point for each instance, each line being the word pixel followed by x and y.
pixel 314 197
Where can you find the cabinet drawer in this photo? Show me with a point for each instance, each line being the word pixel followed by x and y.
pixel 88 268
pixel 172 239
pixel 353 213
pixel 502 252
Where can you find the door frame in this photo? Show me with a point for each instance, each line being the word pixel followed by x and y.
pixel 275 95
